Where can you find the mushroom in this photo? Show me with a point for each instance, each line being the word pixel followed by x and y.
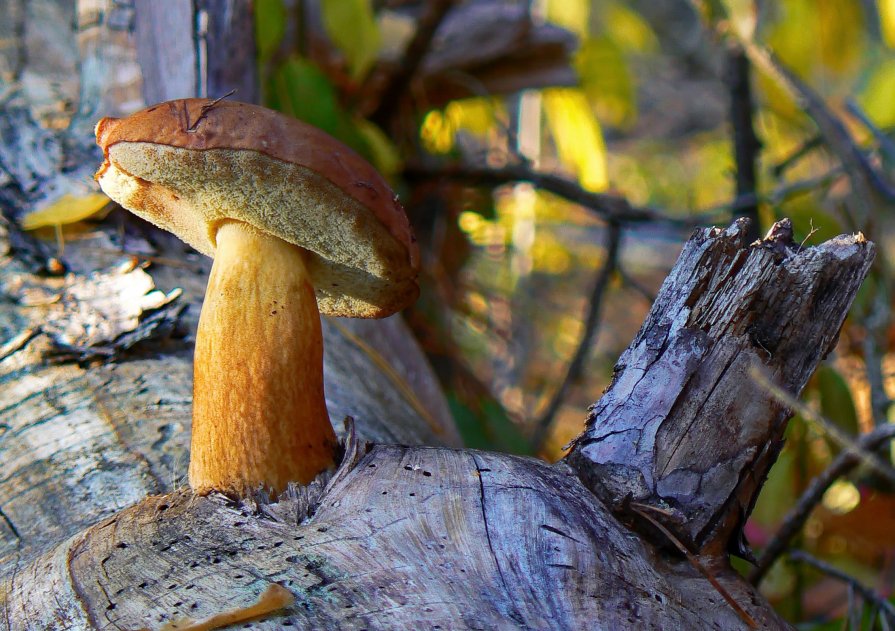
pixel 298 224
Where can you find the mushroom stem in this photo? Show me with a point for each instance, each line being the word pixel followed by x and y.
pixel 259 412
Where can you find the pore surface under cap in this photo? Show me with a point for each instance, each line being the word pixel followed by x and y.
pixel 305 188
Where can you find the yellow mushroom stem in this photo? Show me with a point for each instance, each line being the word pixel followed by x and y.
pixel 259 412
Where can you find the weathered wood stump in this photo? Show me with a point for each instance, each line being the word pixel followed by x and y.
pixel 411 537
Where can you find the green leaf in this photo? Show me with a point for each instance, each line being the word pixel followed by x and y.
pixel 506 434
pixel 836 402
pixel 304 91
pixel 270 26
pixel 385 155
pixel 471 429
pixel 351 25
pixel 301 89
pixel 489 427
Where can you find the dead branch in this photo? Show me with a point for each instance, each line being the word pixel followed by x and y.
pixel 612 208
pixel 795 519
pixel 867 593
pixel 591 327
pixel 391 88
pixel 682 414
pixel 746 144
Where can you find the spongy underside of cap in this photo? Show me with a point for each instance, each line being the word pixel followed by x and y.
pixel 358 268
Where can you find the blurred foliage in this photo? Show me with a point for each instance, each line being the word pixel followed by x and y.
pixel 508 269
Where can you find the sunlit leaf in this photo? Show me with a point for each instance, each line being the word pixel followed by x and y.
pixel 270 26
pixel 396 30
pixel 879 94
pixel 476 116
pixel 437 132
pixel 577 135
pixel 742 15
pixel 810 35
pixel 352 26
pixel 886 9
pixel 842 497
pixel 607 81
pixel 573 15
pixel 65 210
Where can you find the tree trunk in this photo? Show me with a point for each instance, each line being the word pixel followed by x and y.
pixel 631 530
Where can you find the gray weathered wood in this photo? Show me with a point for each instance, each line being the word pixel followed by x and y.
pixel 411 538
pixel 684 427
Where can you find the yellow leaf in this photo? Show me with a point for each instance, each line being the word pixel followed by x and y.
pixel 742 15
pixel 811 33
pixel 67 209
pixel 879 94
pixel 577 135
pixel 476 116
pixel 886 9
pixel 573 15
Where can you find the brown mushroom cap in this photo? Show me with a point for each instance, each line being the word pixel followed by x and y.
pixel 191 164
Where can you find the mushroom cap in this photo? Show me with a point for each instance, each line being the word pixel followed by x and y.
pixel 192 164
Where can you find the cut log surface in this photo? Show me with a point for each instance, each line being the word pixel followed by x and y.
pixel 410 538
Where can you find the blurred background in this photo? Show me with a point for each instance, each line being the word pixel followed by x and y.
pixel 553 156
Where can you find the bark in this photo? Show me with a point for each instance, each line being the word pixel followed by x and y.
pixel 685 427
pixel 95 372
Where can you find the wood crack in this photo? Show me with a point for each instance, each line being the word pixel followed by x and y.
pixel 503 581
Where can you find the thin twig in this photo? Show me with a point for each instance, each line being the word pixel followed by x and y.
pixel 846 442
pixel 396 84
pixel 810 234
pixel 745 141
pixel 885 143
pixel 389 371
pixel 795 519
pixel 641 509
pixel 866 592
pixel 864 178
pixel 203 111
pixel 797 155
pixel 591 327
pixel 609 207
pixel 639 288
